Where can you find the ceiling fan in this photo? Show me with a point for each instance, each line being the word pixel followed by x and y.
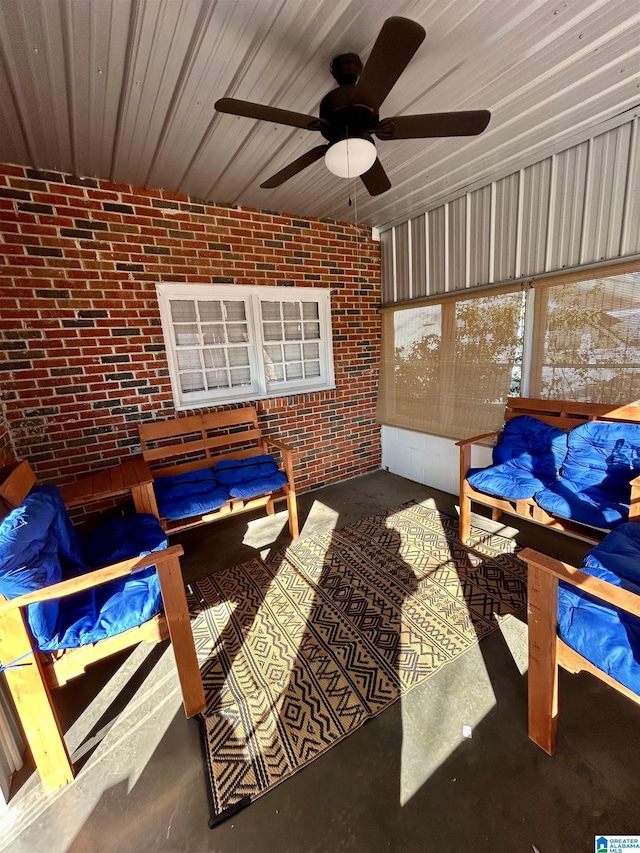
pixel 349 118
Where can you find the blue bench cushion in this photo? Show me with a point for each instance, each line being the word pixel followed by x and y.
pixel 591 506
pixel 40 547
pixel 606 636
pixel 527 457
pixel 247 478
pixel 189 494
pixel 593 486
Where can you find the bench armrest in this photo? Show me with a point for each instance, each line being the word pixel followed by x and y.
pixel 465 451
pixel 94 578
pixel 615 595
pixel 287 455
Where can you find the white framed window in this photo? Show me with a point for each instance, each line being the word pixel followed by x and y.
pixel 230 343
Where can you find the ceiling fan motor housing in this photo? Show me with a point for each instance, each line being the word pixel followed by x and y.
pixel 342 119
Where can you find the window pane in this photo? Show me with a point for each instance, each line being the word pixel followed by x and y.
pixel 186 335
pixel 217 379
pixel 311 369
pixel 210 312
pixel 292 331
pixel 183 311
pixel 235 311
pixel 270 310
pixel 291 310
pixel 238 356
pixel 214 358
pixel 310 310
pixel 311 331
pixel 189 359
pixel 237 332
pixel 213 334
pixel 293 371
pixel 292 352
pixel 311 351
pixel 240 376
pixel 272 332
pixel 273 352
pixel 191 382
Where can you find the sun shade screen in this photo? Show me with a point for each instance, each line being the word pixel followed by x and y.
pixel 587 340
pixel 447 366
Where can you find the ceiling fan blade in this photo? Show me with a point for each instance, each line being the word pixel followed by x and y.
pixel 394 48
pixel 434 124
pixel 376 180
pixel 262 113
pixel 296 166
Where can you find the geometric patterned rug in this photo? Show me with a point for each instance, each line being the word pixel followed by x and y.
pixel 298 651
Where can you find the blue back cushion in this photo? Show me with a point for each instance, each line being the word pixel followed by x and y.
pixel 38 547
pixel 233 472
pixel 603 454
pixel 531 445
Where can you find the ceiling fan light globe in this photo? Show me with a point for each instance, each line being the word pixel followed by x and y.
pixel 349 158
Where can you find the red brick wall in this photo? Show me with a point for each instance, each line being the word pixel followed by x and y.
pixel 82 356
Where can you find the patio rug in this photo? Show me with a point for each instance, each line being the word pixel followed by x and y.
pixel 299 650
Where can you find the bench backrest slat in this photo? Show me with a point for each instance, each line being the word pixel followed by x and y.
pixel 567 414
pixel 188 443
pixel 18 484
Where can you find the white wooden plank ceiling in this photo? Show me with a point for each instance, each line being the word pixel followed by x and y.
pixel 124 90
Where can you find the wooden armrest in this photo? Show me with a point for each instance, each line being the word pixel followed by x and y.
pixel 476 438
pixel 614 595
pixel 635 483
pixel 94 578
pixel 285 448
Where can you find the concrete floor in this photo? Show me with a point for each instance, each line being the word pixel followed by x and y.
pixel 406 781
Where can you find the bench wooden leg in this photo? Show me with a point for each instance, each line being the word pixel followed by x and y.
pixel 179 625
pixel 465 516
pixel 543 663
pixel 32 700
pixel 292 507
pixel 496 514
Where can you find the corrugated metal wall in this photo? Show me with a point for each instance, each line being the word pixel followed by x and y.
pixel 578 207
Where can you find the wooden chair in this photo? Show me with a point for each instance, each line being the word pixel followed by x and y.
pixel 547 650
pixel 31 674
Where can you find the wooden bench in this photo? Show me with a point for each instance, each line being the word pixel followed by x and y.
pixel 565 415
pixel 184 444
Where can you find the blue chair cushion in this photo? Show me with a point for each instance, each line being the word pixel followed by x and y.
pixel 606 636
pixel 590 505
pixel 193 493
pixel 247 478
pixel 527 457
pixel 40 547
pixel 118 605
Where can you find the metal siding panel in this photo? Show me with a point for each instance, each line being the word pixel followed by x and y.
pixel 506 220
pixel 386 251
pixel 436 259
pixel 605 198
pixel 567 206
pixel 457 254
pixel 535 217
pixel 631 225
pixel 403 285
pixel 479 237
pixel 418 257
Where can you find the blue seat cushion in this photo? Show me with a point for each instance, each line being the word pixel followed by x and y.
pixel 527 457
pixel 247 478
pixel 604 455
pixel 606 636
pixel 506 481
pixel 193 493
pixel 590 505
